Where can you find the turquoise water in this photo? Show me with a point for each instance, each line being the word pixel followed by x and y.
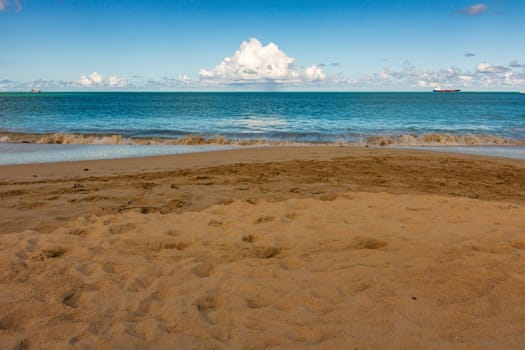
pixel 399 118
pixel 271 116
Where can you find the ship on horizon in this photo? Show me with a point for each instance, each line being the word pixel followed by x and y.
pixel 446 90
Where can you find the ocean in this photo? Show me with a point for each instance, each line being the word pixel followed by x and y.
pixel 372 118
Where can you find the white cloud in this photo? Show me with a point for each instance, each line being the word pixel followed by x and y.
pixel 384 73
pixel 474 10
pixel 114 81
pixel 184 79
pixel 255 63
pixel 514 79
pixel 314 73
pixel 483 76
pixel 5 4
pixel 484 67
pixel 92 79
pixel 97 80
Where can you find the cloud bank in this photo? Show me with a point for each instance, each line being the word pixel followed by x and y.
pixel 95 80
pixel 484 76
pixel 266 67
pixel 256 63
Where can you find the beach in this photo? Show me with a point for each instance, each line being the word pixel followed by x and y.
pixel 306 247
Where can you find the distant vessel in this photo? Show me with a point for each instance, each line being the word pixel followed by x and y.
pixel 446 90
pixel 35 91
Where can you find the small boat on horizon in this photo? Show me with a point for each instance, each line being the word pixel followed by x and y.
pixel 35 91
pixel 446 90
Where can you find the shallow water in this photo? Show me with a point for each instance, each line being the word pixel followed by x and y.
pixel 27 153
pixel 24 153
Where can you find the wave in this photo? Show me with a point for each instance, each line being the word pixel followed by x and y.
pixel 442 139
pixel 429 139
pixel 90 139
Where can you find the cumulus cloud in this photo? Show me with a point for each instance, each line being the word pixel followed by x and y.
pixel 96 80
pixel 256 63
pixel 93 79
pixel 114 81
pixel 473 10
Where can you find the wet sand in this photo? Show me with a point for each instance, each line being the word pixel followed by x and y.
pixel 287 247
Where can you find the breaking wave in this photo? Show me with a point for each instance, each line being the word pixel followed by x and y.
pixel 442 139
pixel 429 139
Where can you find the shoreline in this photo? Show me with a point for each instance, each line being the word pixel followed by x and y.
pixel 193 160
pixel 430 138
pixel 32 154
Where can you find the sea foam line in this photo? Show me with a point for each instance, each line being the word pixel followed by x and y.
pixel 428 139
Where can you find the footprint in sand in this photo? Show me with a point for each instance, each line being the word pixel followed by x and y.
pixel 214 223
pixel 204 305
pixel 248 238
pixel 123 228
pixel 264 219
pixel 368 243
pixel 203 270
pixel 71 298
pixel 255 302
pixel 76 232
pixel 264 252
pixel 291 215
pixel 51 253
pixel 157 247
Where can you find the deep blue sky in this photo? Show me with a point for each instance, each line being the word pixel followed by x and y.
pixel 378 45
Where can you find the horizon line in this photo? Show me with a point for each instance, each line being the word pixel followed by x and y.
pixel 242 91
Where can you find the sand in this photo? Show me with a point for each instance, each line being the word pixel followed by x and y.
pixel 281 248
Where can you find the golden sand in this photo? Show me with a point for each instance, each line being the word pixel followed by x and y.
pixel 280 248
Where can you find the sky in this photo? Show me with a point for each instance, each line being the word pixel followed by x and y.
pixel 275 45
